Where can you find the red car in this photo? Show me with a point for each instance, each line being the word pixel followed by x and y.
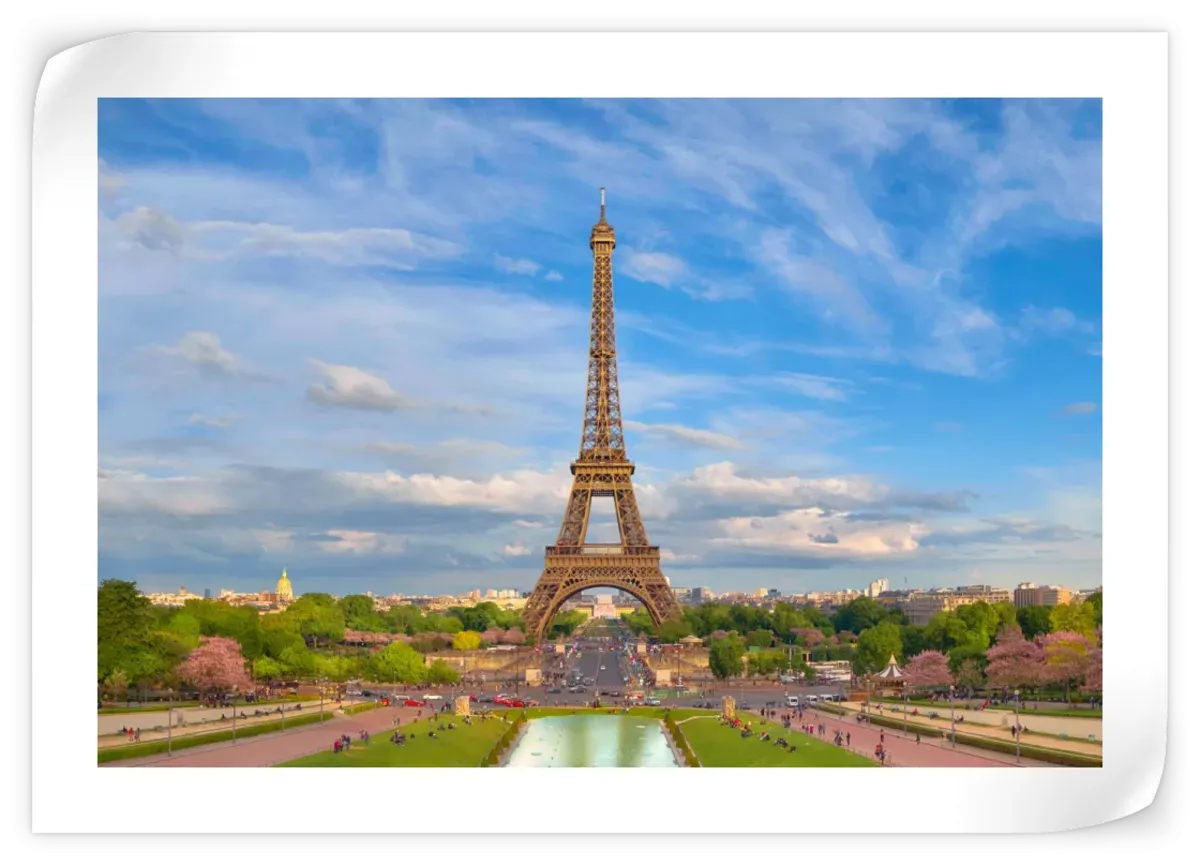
pixel 515 704
pixel 411 702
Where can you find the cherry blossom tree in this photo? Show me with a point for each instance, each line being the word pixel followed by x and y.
pixel 808 637
pixel 514 636
pixel 216 664
pixel 928 669
pixel 1067 658
pixel 1015 661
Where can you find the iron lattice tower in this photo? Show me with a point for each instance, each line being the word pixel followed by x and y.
pixel 602 470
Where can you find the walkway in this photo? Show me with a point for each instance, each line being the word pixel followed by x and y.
pixel 268 749
pixel 198 720
pixel 990 731
pixel 905 751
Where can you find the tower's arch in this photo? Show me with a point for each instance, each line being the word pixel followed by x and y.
pixel 581 580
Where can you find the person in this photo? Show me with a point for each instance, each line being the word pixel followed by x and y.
pixel 847 738
pixel 918 738
pixel 137 734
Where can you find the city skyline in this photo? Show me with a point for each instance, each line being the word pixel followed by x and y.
pixel 858 340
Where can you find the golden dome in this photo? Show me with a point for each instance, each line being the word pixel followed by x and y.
pixel 283 589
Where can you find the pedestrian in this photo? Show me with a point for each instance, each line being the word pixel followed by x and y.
pixel 137 734
pixel 847 738
pixel 918 738
pixel 881 738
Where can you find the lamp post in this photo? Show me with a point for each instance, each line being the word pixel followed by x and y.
pixel 906 710
pixel 1017 694
pixel 233 705
pixel 169 714
pixel 951 699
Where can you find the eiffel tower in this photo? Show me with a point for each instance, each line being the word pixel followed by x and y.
pixel 602 470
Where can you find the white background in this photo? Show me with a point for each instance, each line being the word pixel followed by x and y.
pixel 70 793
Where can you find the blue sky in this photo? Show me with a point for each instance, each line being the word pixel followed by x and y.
pixel 857 339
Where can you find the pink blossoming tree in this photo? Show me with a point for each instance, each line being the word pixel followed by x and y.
pixel 928 669
pixel 808 637
pixel 1067 658
pixel 1014 661
pixel 216 665
pixel 1093 679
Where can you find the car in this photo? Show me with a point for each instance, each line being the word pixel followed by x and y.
pixel 516 704
pixel 413 703
pixel 503 701
pixel 653 701
pixel 602 667
pixel 576 689
pixel 554 690
pixel 429 698
pixel 793 702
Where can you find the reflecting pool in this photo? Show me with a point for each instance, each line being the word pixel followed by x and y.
pixel 593 740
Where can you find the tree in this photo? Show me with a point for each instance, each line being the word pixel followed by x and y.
pixel 913 639
pixel 216 665
pixel 116 682
pixel 970 673
pixel 1015 661
pixel 759 637
pixel 1093 678
pixel 398 662
pixel 1096 602
pixel 929 669
pixel 298 661
pixel 441 673
pixel 125 620
pixel 859 614
pixel 674 630
pixel 465 641
pixel 1077 618
pixel 807 637
pixel 185 628
pixel 1034 621
pixel 725 657
pixel 267 669
pixel 876 646
pixel 514 636
pixel 1067 658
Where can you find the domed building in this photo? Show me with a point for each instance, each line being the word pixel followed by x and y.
pixel 283 589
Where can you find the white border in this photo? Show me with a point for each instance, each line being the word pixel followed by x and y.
pixel 1129 71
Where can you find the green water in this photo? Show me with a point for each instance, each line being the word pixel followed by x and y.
pixel 592 740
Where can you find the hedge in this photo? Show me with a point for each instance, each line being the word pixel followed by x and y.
pixel 146 749
pixel 1034 752
pixel 356 708
pixel 689 757
pixel 509 736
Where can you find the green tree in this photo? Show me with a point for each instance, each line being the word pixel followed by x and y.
pixel 441 673
pixel 1034 621
pixel 398 662
pixel 875 646
pixel 124 623
pixel 1076 618
pixel 674 630
pixel 185 628
pixel 1096 602
pixel 466 641
pixel 267 669
pixel 725 657
pixel 116 682
pixel 298 661
pixel 760 637
pixel 859 615
pixel 912 637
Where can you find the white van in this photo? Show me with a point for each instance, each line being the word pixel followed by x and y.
pixel 793 702
pixel 811 698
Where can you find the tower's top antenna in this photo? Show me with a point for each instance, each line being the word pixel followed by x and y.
pixel 601 203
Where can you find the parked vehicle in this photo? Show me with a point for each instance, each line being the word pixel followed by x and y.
pixel 414 703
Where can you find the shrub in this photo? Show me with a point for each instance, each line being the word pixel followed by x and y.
pixel 689 757
pixel 146 749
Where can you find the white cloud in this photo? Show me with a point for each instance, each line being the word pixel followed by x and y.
pixel 553 276
pixel 1079 408
pixel 659 268
pixel 814 386
pixel 687 435
pixel 202 349
pixel 353 542
pixel 521 266
pixel 395 247
pixel 812 531
pixel 123 491
pixel 351 387
pixel 201 420
pixel 151 229
pixel 524 491
pixel 1054 321
pixel 722 481
pixel 515 550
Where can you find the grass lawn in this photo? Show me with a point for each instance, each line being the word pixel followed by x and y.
pixel 465 746
pixel 719 746
pixel 998 707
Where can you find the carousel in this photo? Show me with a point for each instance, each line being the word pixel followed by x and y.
pixel 889 682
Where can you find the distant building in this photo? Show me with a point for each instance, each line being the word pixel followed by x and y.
pixel 920 607
pixel 877 588
pixel 701 594
pixel 1032 595
pixel 283 588
pixel 208 594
